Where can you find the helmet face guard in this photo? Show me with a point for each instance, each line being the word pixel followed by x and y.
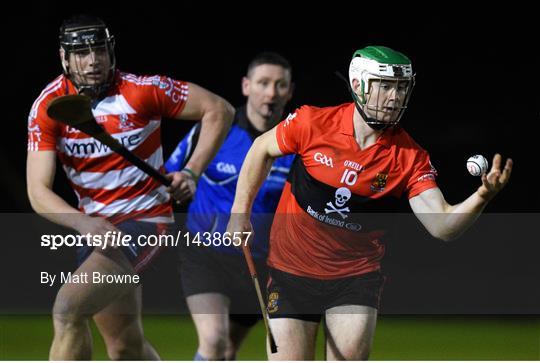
pixel 85 44
pixel 386 67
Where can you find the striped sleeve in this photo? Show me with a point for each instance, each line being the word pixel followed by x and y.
pixel 42 130
pixel 156 95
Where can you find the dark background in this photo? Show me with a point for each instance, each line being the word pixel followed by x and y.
pixel 476 92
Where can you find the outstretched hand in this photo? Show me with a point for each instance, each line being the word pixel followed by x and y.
pixel 495 180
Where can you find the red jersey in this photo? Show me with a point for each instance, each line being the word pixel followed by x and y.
pixel 327 224
pixel 105 183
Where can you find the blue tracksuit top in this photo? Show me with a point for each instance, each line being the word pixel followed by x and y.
pixel 210 209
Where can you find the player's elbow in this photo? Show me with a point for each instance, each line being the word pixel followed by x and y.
pixel 38 194
pixel 444 235
pixel 217 113
pixel 229 111
pixel 223 108
pixel 439 226
pixel 32 191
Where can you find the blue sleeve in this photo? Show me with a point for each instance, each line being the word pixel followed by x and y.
pixel 183 150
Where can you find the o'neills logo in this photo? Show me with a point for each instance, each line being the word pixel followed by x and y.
pixel 353 165
pixel 289 119
pixel 324 218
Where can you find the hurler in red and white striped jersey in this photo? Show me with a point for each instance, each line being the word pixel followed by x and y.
pixel 105 183
pixel 114 195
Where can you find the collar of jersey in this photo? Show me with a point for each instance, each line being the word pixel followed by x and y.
pixel 347 126
pixel 242 120
pixel 70 89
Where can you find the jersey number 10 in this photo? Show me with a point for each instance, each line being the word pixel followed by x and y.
pixel 349 177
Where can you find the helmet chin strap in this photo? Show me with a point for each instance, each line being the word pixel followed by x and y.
pixel 95 91
pixel 370 121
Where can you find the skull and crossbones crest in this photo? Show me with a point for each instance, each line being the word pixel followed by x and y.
pixel 342 197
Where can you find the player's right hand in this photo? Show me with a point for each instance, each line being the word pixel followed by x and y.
pixel 182 187
pixel 240 222
pixel 95 226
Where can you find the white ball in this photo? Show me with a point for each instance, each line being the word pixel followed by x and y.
pixel 477 165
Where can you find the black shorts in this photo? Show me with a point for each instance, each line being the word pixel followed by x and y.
pixel 139 256
pixel 205 270
pixel 298 297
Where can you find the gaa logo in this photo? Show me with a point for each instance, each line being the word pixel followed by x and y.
pixel 323 159
pixel 226 168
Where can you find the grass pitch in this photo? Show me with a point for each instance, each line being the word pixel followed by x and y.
pixel 397 338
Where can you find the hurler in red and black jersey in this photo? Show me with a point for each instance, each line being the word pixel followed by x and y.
pixel 353 163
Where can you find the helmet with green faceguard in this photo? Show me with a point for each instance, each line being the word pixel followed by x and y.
pixel 380 64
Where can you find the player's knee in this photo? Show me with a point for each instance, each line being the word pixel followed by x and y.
pixel 215 343
pixel 65 323
pixel 360 352
pixel 364 353
pixel 230 351
pixel 126 349
pixel 67 303
pixel 120 352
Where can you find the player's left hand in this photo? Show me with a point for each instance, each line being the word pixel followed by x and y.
pixel 495 180
pixel 182 186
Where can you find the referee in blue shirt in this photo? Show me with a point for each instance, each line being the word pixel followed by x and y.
pixel 215 279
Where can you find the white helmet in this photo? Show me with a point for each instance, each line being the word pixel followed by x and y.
pixel 379 63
